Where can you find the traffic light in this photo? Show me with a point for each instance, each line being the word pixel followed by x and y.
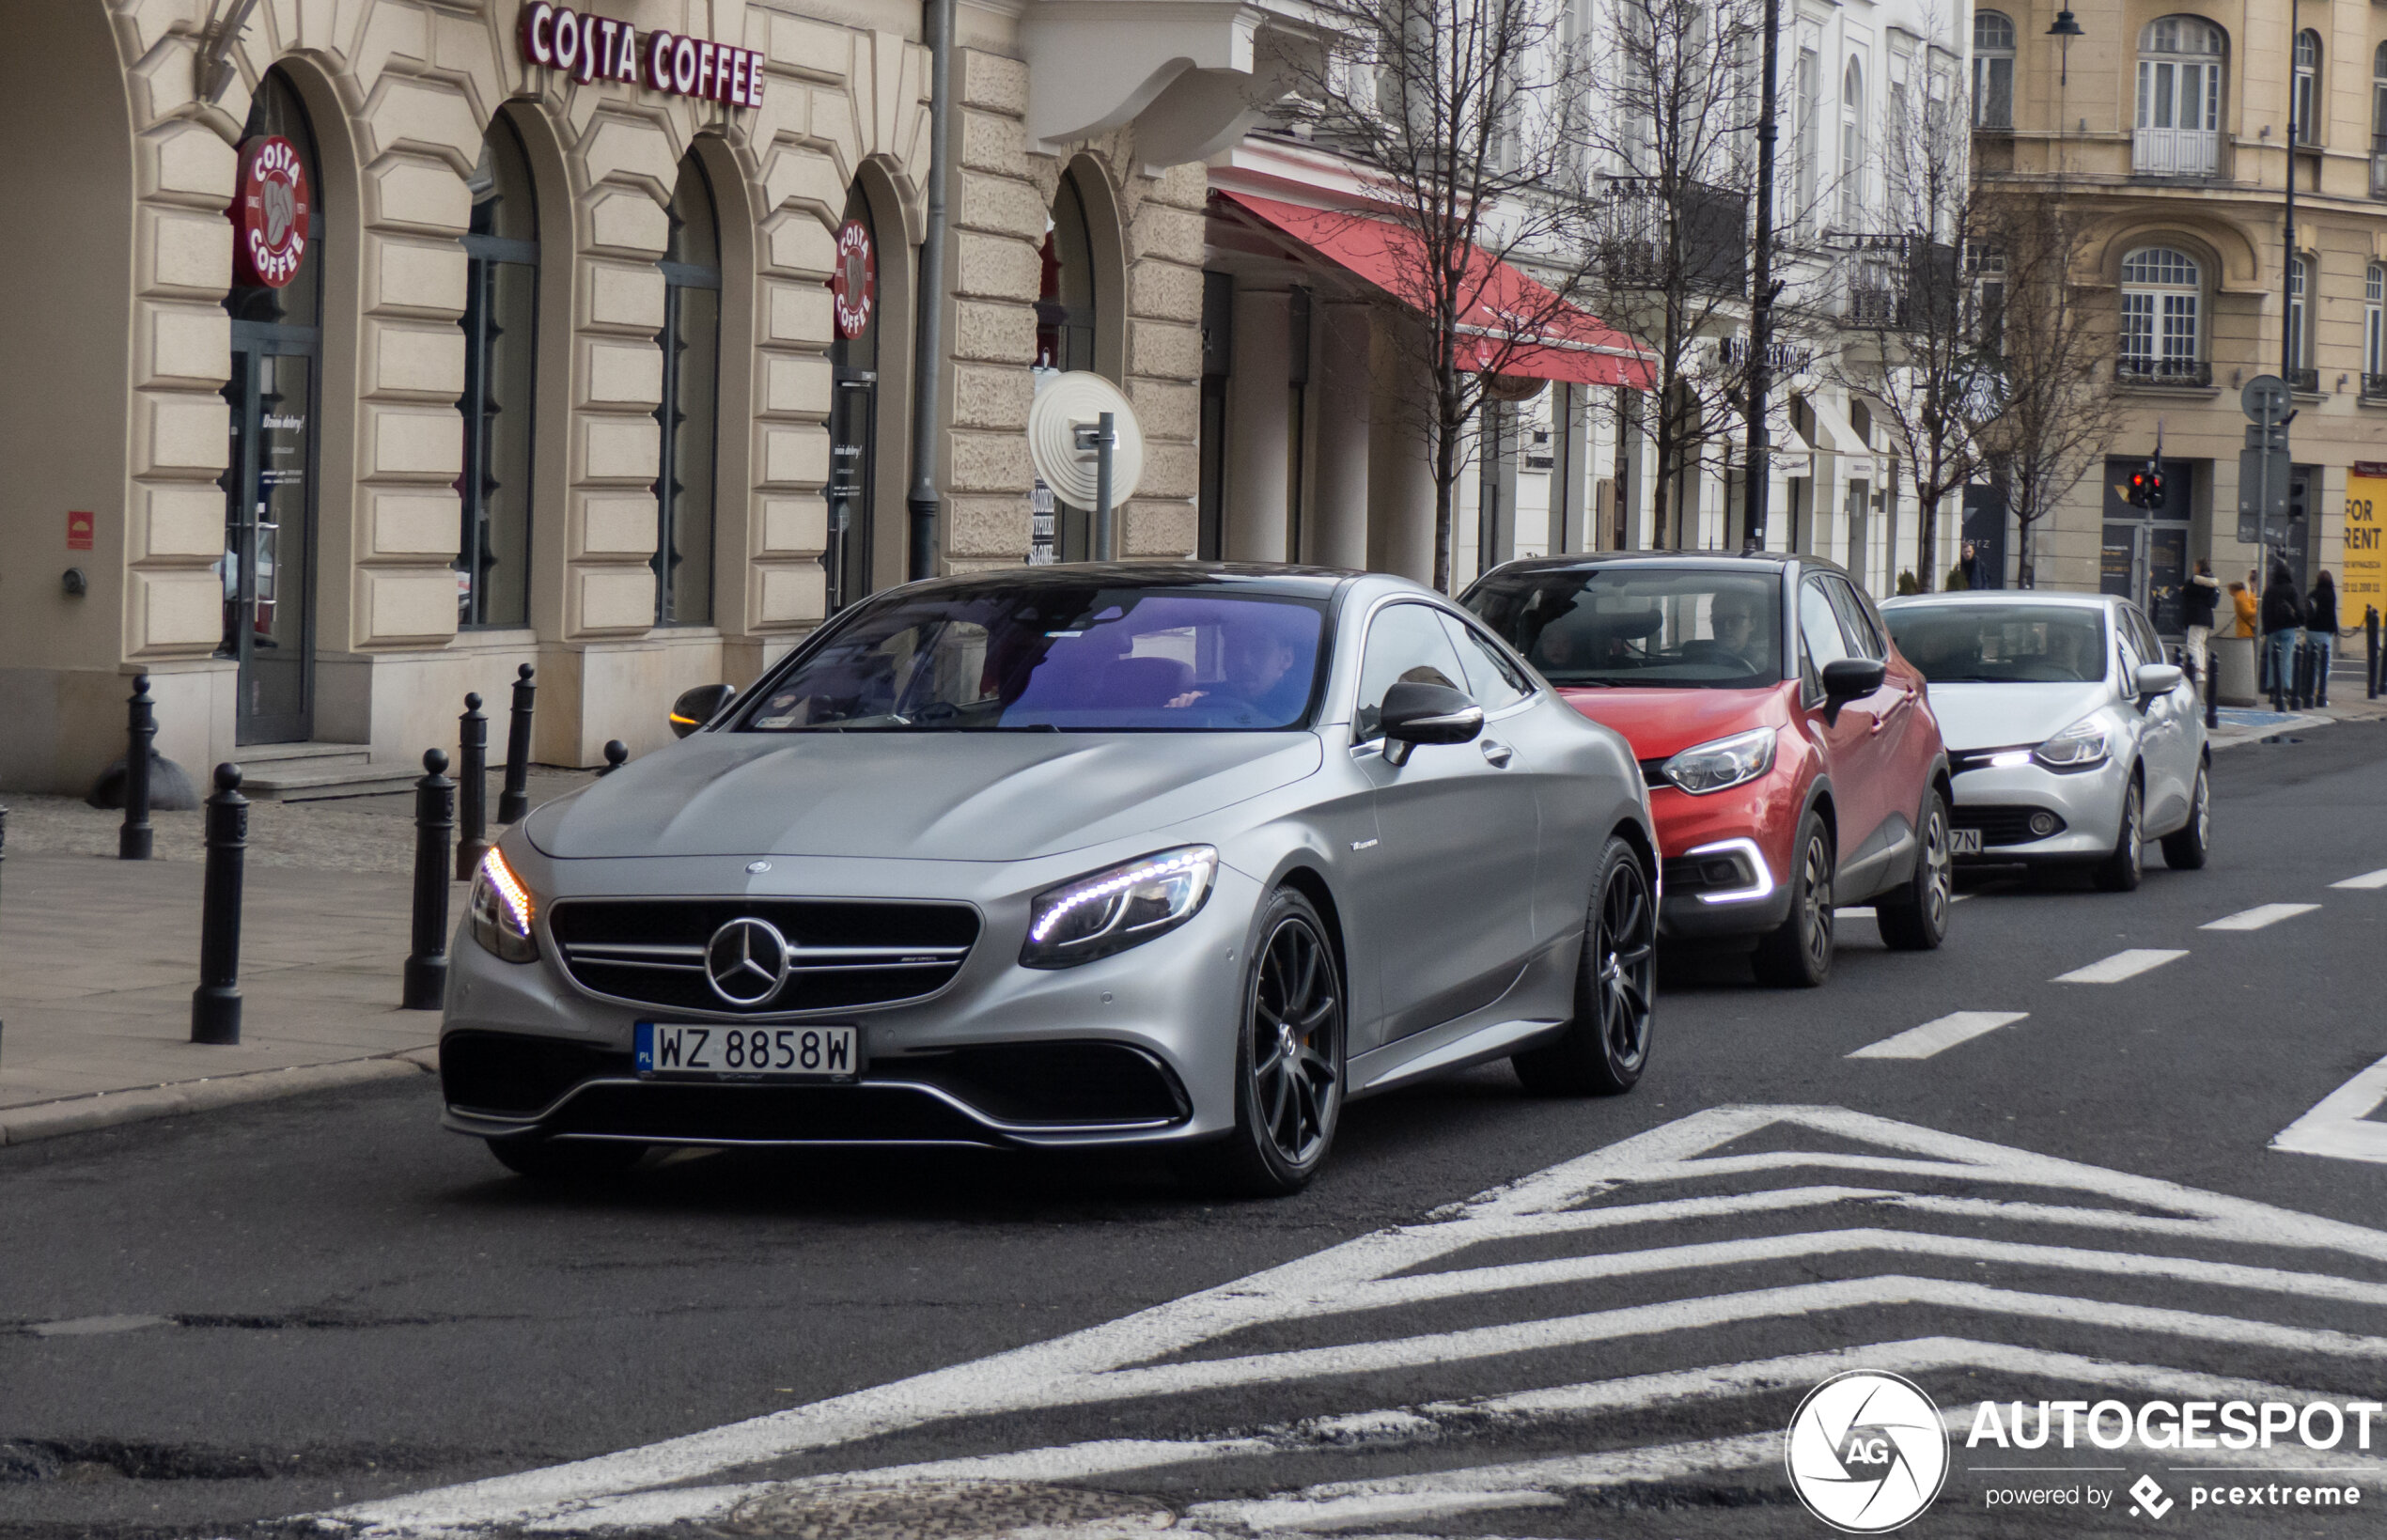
pixel 2147 487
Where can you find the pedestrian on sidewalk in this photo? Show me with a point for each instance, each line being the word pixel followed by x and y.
pixel 2198 598
pixel 2320 633
pixel 2242 604
pixel 2282 623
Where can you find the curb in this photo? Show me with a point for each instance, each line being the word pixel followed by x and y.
pixel 107 1109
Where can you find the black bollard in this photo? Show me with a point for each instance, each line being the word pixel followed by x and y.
pixel 434 821
pixel 617 756
pixel 215 1004
pixel 2307 664
pixel 472 788
pixel 141 731
pixel 2370 654
pixel 2212 690
pixel 515 801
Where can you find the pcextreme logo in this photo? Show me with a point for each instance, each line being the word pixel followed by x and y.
pixel 1866 1452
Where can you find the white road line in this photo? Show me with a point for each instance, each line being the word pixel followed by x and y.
pixel 2258 917
pixel 2367 880
pixel 2121 965
pixel 1934 1036
pixel 2339 1125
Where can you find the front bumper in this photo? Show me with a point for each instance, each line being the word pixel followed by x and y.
pixel 1725 856
pixel 1135 1048
pixel 2000 803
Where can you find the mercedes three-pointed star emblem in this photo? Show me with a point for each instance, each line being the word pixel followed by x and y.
pixel 746 961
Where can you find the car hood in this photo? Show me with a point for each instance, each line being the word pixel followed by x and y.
pixel 2006 716
pixel 917 795
pixel 1659 724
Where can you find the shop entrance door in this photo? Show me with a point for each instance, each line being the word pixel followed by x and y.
pixel 853 427
pixel 269 530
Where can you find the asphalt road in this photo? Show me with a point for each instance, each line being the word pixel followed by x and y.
pixel 228 1319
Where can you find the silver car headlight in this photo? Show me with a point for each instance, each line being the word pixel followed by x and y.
pixel 502 910
pixel 1107 912
pixel 2080 746
pixel 1725 762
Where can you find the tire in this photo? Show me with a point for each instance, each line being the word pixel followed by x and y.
pixel 1915 917
pixel 1605 1048
pixel 1289 1049
pixel 1796 954
pixel 2121 871
pixel 564 1161
pixel 2188 847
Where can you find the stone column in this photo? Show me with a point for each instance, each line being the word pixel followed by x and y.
pixel 1341 389
pixel 1258 451
pixel 1400 482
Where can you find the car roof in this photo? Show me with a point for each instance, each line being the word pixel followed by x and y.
pixel 1316 582
pixel 2008 596
pixel 1714 561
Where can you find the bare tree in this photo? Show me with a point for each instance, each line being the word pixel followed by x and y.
pixel 1457 117
pixel 2050 339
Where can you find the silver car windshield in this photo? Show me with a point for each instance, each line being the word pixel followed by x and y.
pixel 2001 644
pixel 1056 659
pixel 1642 627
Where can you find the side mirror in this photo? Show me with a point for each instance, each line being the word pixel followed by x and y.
pixel 694 707
pixel 1427 713
pixel 2158 680
pixel 1846 678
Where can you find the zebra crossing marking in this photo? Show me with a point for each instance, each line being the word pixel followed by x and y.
pixel 2339 1125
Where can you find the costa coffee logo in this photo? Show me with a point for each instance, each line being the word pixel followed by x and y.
pixel 853 287
pixel 271 208
pixel 594 48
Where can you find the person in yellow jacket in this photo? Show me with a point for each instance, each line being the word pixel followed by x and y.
pixel 2242 599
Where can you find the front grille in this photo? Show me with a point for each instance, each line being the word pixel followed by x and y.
pixel 514 1077
pixel 1050 1082
pixel 701 1115
pixel 2004 825
pixel 844 951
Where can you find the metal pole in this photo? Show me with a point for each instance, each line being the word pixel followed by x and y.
pixel 141 730
pixel 928 367
pixel 215 1004
pixel 1757 476
pixel 471 789
pixel 2370 656
pixel 426 983
pixel 514 801
pixel 1105 435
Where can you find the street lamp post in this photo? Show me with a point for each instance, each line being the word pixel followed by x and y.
pixel 1757 476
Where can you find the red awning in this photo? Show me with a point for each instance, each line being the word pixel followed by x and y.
pixel 1566 343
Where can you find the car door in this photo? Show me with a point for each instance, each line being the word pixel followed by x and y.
pixel 1518 740
pixel 1907 743
pixel 1853 754
pixel 1446 894
pixel 2166 747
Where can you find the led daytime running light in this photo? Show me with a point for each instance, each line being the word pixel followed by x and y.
pixel 511 895
pixel 1093 893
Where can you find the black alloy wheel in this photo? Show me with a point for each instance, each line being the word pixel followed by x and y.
pixel 2186 849
pixel 1289 1060
pixel 1916 918
pixel 1796 954
pixel 2121 871
pixel 1605 1048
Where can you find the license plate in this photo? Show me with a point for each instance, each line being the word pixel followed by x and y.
pixel 1964 842
pixel 687 1050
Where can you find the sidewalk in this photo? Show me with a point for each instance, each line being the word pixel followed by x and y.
pixel 99 956
pixel 2242 724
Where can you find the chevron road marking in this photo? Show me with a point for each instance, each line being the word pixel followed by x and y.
pixel 2258 917
pixel 2368 879
pixel 1937 1037
pixel 2120 966
pixel 2339 1125
pixel 1131 1357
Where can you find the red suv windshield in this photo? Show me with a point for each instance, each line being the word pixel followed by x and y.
pixel 1641 627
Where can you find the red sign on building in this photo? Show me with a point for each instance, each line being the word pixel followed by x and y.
pixel 270 212
pixel 594 48
pixel 853 286
pixel 79 527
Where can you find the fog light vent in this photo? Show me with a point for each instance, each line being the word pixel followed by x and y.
pixel 2043 824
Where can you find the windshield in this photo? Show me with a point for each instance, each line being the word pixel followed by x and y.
pixel 1640 626
pixel 1056 658
pixel 2001 644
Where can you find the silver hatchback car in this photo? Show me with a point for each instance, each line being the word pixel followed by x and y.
pixel 2072 741
pixel 1139 854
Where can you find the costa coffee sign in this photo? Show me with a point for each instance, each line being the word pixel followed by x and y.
pixel 853 287
pixel 594 48
pixel 271 210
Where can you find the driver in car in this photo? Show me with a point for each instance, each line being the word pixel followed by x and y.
pixel 1258 670
pixel 1733 617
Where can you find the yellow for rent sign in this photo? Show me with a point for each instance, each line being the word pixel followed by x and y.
pixel 2365 539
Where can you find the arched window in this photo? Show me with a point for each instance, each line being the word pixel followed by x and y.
pixel 2179 98
pixel 1065 340
pixel 2375 331
pixel 853 407
pixel 1992 69
pixel 690 340
pixel 501 369
pixel 2307 101
pixel 1852 148
pixel 2379 123
pixel 2301 373
pixel 2162 295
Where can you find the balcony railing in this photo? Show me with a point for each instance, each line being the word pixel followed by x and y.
pixel 2176 152
pixel 2169 373
pixel 2375 388
pixel 1712 226
pixel 1868 306
pixel 2307 380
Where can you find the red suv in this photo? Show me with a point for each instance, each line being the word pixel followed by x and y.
pixel 1792 759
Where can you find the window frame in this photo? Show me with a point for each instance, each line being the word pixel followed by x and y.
pixel 2162 299
pixel 1990 109
pixel 678 278
pixel 2304 101
pixel 484 256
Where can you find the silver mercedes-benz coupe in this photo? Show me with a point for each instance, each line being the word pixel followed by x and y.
pixel 1167 854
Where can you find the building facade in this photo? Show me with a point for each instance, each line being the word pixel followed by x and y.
pixel 367 351
pixel 2174 144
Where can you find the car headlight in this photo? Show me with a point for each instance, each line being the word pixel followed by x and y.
pixel 501 911
pixel 1108 911
pixel 2080 746
pixel 1725 762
